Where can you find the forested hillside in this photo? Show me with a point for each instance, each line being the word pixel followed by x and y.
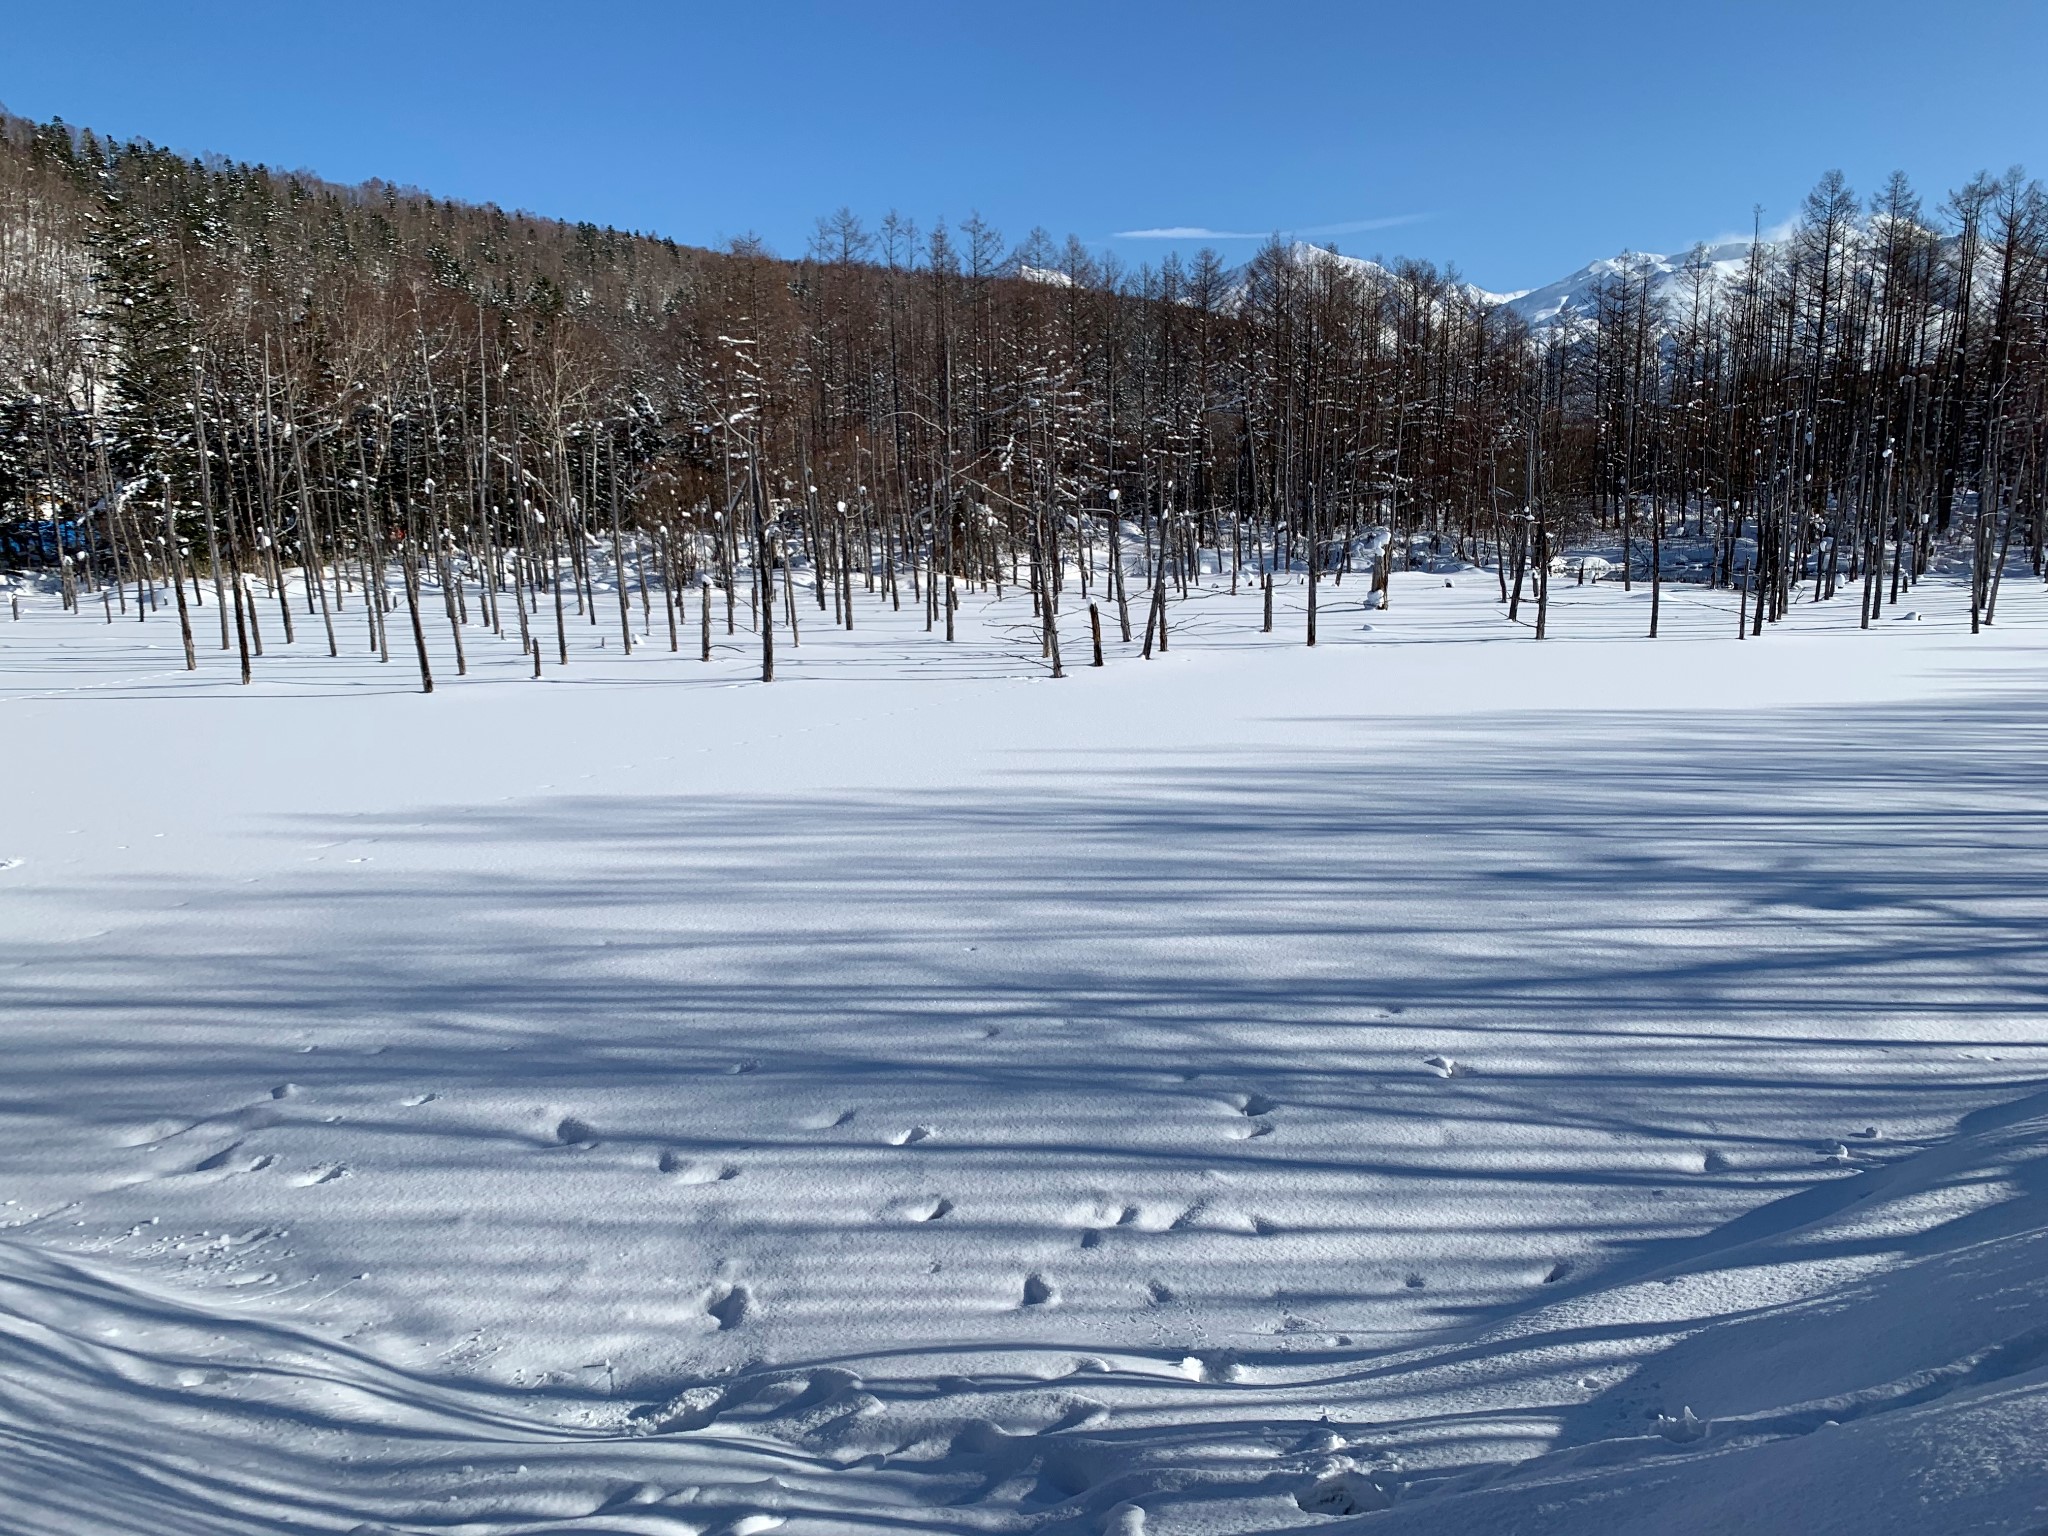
pixel 412 394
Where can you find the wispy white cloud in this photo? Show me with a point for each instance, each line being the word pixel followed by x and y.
pixel 1203 232
pixel 1186 232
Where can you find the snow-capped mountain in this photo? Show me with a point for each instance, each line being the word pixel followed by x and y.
pixel 1573 295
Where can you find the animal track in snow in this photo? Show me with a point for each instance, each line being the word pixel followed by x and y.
pixel 1103 1211
pixel 929 1208
pixel 692 1408
pixel 729 1306
pixel 1349 1492
pixel 1038 1291
pixel 572 1132
pixel 326 1174
pixel 1252 1105
pixel 1216 1365
pixel 689 1170
pixel 218 1160
pixel 415 1100
pixel 911 1137
pixel 1442 1066
pixel 827 1120
pixel 631 1497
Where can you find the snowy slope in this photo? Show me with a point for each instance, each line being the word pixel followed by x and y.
pixel 1573 296
pixel 1217 1094
pixel 1303 252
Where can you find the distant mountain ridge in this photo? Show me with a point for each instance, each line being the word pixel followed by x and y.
pixel 1573 297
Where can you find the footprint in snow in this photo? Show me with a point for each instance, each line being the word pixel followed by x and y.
pixel 225 1161
pixel 326 1174
pixel 689 1170
pixel 911 1137
pixel 1039 1291
pixel 729 1306
pixel 1252 1105
pixel 218 1160
pixel 692 1408
pixel 1442 1066
pixel 632 1496
pixel 414 1101
pixel 572 1132
pixel 1105 1214
pixel 1219 1365
pixel 1349 1492
pixel 928 1208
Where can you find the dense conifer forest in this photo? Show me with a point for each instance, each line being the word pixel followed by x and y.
pixel 224 387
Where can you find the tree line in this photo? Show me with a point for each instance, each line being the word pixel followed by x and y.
pixel 220 382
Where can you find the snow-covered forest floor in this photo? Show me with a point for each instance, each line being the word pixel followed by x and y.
pixel 1595 1086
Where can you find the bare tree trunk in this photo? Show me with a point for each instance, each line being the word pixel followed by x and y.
pixel 173 559
pixel 409 568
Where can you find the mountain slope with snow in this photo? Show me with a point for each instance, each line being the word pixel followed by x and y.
pixel 1572 297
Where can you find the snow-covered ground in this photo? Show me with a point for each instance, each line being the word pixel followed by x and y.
pixel 1595 1086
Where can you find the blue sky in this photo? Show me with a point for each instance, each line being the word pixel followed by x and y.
pixel 1517 141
